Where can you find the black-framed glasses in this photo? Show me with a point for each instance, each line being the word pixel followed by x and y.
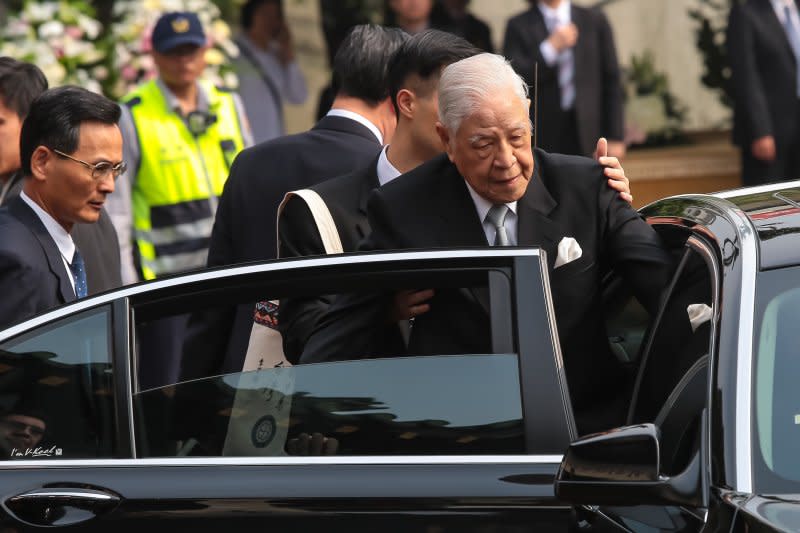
pixel 101 170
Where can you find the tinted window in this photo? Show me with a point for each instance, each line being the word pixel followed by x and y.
pixel 396 406
pixel 777 395
pixel 56 390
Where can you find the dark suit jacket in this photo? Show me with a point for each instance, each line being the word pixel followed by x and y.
pixel 598 94
pixel 346 198
pixel 33 277
pixel 764 75
pixel 430 207
pixel 98 245
pixel 245 225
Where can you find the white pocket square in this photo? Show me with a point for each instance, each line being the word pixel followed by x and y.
pixel 568 250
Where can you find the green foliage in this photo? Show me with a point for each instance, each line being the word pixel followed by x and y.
pixel 655 116
pixel 711 21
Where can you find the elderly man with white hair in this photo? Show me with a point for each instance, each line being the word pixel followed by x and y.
pixel 491 188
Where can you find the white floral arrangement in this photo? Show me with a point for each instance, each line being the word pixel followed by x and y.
pixel 62 38
pixel 130 34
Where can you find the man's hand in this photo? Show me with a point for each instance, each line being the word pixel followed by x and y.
pixel 763 148
pixel 410 303
pixel 564 36
pixel 314 444
pixel 613 171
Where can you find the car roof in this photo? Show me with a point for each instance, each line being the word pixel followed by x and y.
pixel 774 211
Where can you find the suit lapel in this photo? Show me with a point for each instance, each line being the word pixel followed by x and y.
pixel 460 224
pixel 776 28
pixel 534 227
pixel 579 51
pixel 538 27
pixel 25 214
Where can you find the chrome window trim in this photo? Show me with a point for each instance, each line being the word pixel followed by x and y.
pixel 287 265
pixel 744 359
pixel 566 400
pixel 288 461
pixel 733 193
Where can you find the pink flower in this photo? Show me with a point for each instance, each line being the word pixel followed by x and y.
pixel 128 73
pixel 146 42
pixel 74 31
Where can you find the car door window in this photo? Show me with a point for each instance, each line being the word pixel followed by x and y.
pixel 459 392
pixel 56 390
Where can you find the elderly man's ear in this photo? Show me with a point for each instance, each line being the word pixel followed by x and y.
pixel 444 136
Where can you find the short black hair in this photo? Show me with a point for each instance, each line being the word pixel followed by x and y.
pixel 249 9
pixel 20 84
pixel 360 67
pixel 55 119
pixel 424 55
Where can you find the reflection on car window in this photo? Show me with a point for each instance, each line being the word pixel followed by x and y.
pixel 777 395
pixel 56 391
pixel 394 406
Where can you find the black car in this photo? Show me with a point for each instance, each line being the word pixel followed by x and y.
pixel 457 442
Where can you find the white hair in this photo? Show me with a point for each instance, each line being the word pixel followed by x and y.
pixel 465 85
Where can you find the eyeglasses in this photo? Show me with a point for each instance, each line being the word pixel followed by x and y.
pixel 15 425
pixel 101 170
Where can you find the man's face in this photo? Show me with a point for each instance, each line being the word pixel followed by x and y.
pixel 20 432
pixel 412 10
pixel 69 191
pixel 10 127
pixel 268 19
pixel 182 65
pixel 492 148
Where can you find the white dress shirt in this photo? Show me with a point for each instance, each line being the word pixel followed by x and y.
pixel 781 7
pixel 57 232
pixel 386 170
pixel 361 119
pixel 482 206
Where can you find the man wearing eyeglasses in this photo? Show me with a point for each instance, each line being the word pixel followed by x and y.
pixel 70 155
pixel 20 84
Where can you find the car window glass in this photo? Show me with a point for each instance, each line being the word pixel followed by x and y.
pixel 56 390
pixel 375 383
pixel 450 405
pixel 777 397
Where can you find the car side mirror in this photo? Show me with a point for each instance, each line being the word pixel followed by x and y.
pixel 622 467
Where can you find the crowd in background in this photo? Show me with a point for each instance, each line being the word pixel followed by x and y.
pixel 184 174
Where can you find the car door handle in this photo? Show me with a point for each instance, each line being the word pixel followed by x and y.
pixel 61 506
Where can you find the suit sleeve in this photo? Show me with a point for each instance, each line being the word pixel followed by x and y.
pixel 634 249
pixel 356 324
pixel 18 290
pixel 299 237
pixel 751 100
pixel 613 114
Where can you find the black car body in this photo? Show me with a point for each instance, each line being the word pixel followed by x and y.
pixel 462 442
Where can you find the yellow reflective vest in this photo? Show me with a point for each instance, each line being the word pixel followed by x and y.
pixel 180 177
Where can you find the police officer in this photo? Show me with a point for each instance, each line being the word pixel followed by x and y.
pixel 181 135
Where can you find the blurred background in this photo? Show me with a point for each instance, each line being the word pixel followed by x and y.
pixel 677 108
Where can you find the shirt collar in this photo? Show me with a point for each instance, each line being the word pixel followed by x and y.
pixel 561 13
pixel 172 100
pixel 386 170
pixel 61 237
pixel 361 119
pixel 482 205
